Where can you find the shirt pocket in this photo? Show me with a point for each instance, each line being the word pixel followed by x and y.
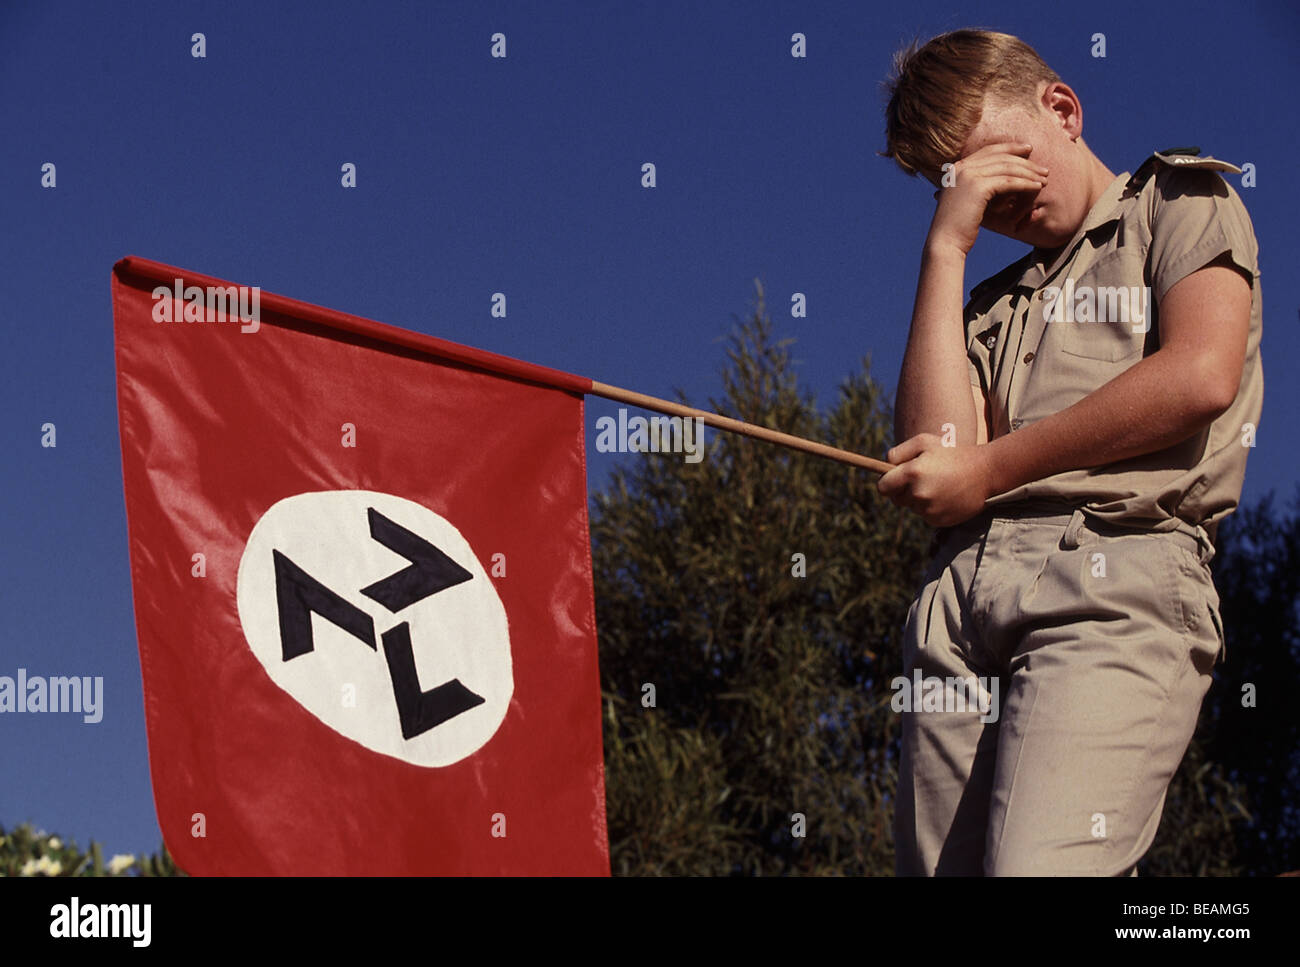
pixel 1103 313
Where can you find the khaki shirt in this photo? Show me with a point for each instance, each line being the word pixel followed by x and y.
pixel 1042 336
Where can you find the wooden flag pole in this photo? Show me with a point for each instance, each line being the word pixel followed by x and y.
pixel 737 426
pixel 491 362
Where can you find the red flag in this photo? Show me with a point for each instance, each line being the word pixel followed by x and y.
pixel 362 575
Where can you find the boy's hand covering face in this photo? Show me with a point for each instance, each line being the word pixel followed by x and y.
pixel 994 187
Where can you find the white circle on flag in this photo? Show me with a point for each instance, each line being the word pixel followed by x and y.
pixel 456 633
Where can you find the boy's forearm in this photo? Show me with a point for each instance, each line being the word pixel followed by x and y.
pixel 933 387
pixel 1150 406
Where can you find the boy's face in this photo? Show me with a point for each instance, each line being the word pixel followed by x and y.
pixel 1049 217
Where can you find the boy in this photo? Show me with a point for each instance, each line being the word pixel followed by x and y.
pixel 1115 387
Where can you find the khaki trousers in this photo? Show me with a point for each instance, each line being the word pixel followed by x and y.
pixel 1097 644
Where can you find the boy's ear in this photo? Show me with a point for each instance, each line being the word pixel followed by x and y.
pixel 1061 101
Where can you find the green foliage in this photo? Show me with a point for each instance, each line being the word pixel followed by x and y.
pixel 771 689
pixel 25 851
pixel 1250 719
pixel 682 782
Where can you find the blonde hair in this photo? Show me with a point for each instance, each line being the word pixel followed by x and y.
pixel 936 92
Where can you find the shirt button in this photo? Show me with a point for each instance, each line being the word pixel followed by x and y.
pixel 1017 424
pixel 991 341
pixel 1029 357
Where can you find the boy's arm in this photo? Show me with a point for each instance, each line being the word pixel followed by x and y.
pixel 1168 396
pixel 1160 400
pixel 932 387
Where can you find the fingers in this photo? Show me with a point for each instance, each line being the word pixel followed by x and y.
pixel 897 487
pixel 896 484
pixel 995 174
pixel 890 484
pixel 911 447
pixel 1002 149
pixel 1004 158
pixel 1021 148
pixel 973 182
pixel 996 163
pixel 1010 184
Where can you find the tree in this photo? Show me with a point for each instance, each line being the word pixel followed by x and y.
pixel 762 593
pixel 1251 723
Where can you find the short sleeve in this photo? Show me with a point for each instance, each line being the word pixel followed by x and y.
pixel 1196 218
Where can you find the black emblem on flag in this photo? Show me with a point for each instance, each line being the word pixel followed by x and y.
pixel 298 595
pixel 431 570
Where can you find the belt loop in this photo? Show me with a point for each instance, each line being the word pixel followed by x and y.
pixel 1070 540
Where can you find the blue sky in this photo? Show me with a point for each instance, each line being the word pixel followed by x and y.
pixel 520 175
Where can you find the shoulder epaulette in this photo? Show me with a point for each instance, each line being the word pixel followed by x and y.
pixel 1176 158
